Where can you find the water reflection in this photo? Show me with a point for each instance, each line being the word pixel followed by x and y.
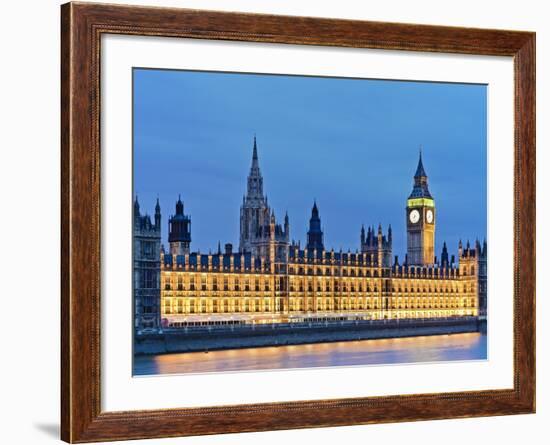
pixel 471 346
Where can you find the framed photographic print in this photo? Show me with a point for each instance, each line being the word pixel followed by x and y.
pixel 274 222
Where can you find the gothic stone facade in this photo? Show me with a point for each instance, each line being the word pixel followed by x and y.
pixel 146 278
pixel 270 279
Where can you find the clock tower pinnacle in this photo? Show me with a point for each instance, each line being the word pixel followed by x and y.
pixel 420 215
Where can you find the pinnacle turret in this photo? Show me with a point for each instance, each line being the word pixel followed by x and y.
pixel 315 233
pixel 136 207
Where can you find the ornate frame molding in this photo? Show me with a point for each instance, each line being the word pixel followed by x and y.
pixel 82 25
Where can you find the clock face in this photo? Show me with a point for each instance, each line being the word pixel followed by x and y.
pixel 414 216
pixel 430 216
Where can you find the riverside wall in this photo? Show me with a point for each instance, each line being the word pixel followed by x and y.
pixel 252 336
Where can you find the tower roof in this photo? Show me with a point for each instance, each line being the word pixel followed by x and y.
pixel 420 172
pixel 420 188
pixel 179 209
pixel 315 210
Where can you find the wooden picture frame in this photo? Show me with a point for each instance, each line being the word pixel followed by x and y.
pixel 82 25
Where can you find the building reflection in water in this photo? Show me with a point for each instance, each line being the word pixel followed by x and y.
pixel 437 348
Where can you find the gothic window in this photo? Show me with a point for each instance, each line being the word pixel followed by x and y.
pixel 148 279
pixel 148 250
pixel 180 282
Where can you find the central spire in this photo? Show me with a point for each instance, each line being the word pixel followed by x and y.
pixel 255 168
pixel 255 187
pixel 255 151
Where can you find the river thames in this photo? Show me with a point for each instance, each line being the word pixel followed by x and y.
pixel 435 348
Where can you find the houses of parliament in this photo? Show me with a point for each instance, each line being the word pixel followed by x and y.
pixel 269 279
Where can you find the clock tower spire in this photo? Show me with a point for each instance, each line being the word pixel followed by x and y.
pixel 420 214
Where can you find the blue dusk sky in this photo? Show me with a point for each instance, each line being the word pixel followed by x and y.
pixel 351 144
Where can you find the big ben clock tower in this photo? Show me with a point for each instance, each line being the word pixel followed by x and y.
pixel 420 213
